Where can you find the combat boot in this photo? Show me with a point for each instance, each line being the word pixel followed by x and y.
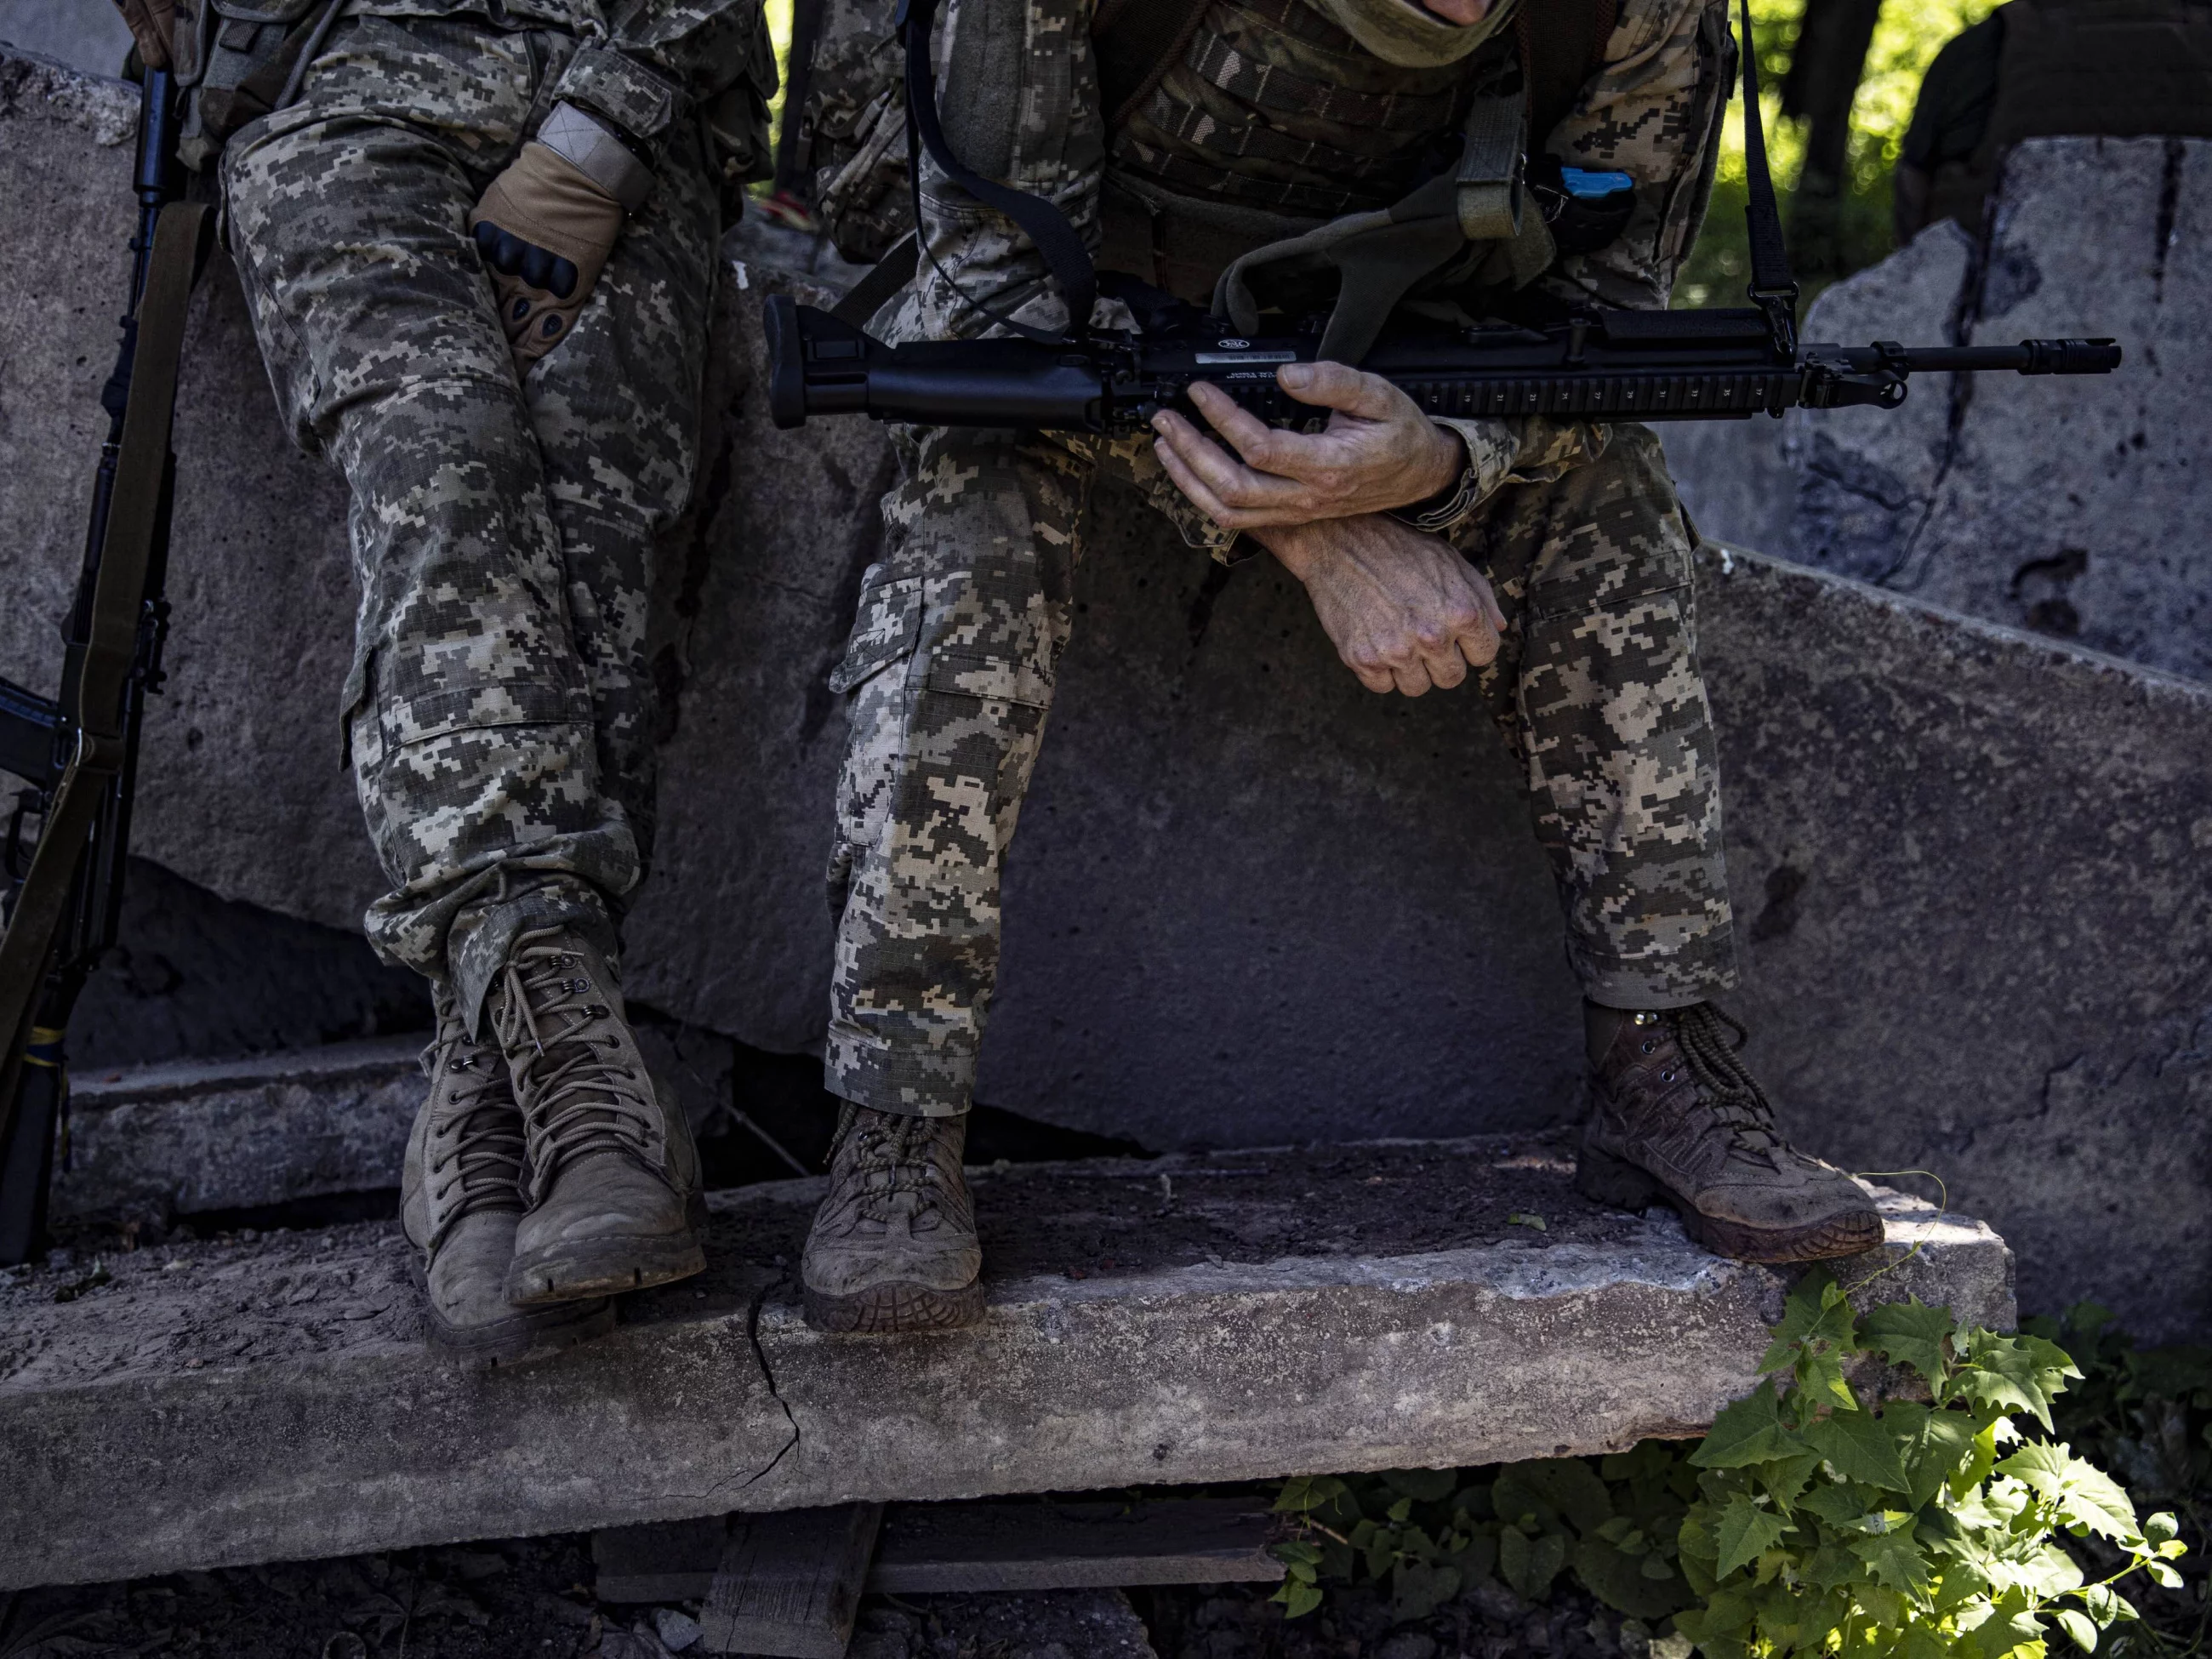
pixel 1675 1115
pixel 611 1174
pixel 460 1200
pixel 893 1247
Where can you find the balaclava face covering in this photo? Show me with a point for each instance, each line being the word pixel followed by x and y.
pixel 1407 34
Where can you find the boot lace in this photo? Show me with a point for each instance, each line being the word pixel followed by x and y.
pixel 484 1149
pixel 893 1169
pixel 1730 1093
pixel 580 1096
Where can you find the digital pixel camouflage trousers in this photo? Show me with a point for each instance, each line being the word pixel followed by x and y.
pixel 498 711
pixel 1596 689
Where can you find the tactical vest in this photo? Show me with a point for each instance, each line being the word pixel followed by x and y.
pixel 2116 68
pixel 1263 118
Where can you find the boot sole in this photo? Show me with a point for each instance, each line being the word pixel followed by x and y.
pixel 610 1266
pixel 1620 1185
pixel 520 1339
pixel 894 1308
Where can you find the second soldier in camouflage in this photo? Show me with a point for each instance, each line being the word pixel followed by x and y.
pixel 1550 561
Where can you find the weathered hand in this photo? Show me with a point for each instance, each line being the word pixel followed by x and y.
pixel 152 24
pixel 1378 452
pixel 1405 611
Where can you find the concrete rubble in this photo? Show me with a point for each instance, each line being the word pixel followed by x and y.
pixel 1195 1319
pixel 1252 903
pixel 2066 506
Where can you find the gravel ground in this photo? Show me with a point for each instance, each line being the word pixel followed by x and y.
pixel 524 1598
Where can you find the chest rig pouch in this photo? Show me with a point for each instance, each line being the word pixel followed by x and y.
pixel 1473 222
pixel 238 60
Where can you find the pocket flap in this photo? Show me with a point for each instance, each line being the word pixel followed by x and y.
pixel 888 624
pixel 994 679
pixel 263 11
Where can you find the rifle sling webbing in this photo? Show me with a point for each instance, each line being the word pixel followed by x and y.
pixel 119 594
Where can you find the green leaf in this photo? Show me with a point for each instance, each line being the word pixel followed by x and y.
pixel 1749 1432
pixel 1895 1558
pixel 1422 1485
pixel 1816 1314
pixel 2013 1373
pixel 2162 1575
pixel 1299 1600
pixel 1296 1552
pixel 1935 1446
pixel 1859 1448
pixel 1981 1459
pixel 1838 1505
pixel 1644 1588
pixel 1529 1564
pixel 1908 1332
pixel 2161 1527
pixel 1745 1532
pixel 1419 1590
pixel 1553 1487
pixel 1785 1477
pixel 2078 1626
pixel 2084 1494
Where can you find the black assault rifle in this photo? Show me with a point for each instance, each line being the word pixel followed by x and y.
pixel 61 887
pixel 1589 363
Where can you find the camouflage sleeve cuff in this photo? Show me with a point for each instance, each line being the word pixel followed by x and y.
pixel 640 102
pixel 1529 449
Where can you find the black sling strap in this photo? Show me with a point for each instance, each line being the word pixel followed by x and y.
pixel 1044 224
pixel 1773 289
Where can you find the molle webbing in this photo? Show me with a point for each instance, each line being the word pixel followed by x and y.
pixel 1270 104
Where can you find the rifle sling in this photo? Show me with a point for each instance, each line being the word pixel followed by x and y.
pixel 119 596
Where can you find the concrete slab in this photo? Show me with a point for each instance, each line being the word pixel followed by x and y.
pixel 198 1135
pixel 1185 1320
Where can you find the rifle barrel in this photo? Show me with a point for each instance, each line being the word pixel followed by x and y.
pixel 2028 357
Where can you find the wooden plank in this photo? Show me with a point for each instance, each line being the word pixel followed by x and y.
pixel 1074 1546
pixel 926 1548
pixel 789 1583
pixel 660 1561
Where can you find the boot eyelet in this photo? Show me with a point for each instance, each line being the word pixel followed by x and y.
pixel 1666 1077
pixel 1650 1044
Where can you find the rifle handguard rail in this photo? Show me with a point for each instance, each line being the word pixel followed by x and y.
pixel 1599 366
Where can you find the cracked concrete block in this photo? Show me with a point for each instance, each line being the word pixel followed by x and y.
pixel 2076 507
pixel 1186 1320
pixel 1864 477
pixel 190 1136
pixel 2067 506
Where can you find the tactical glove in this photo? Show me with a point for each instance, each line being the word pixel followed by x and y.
pixel 152 25
pixel 547 224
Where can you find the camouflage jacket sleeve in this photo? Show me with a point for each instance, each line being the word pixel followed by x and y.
pixel 851 128
pixel 667 59
pixel 1653 111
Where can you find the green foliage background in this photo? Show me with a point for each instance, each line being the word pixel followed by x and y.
pixel 1906 41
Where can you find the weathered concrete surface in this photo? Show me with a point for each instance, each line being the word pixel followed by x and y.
pixel 182 1138
pixel 198 1135
pixel 1251 904
pixel 1186 1320
pixel 2073 507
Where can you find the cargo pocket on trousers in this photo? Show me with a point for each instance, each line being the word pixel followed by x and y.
pixel 889 624
pixel 995 698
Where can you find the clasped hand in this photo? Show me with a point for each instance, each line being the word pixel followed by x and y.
pixel 1405 610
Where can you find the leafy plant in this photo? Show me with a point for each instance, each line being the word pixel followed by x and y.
pixel 1428 1534
pixel 1821 1526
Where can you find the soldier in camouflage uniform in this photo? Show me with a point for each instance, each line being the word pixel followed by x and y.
pixel 1550 561
pixel 478 245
